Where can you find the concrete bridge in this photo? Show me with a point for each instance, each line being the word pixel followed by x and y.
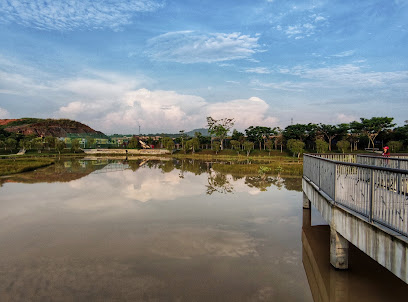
pixel 364 199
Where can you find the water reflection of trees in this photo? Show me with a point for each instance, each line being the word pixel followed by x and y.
pixel 60 171
pixel 261 182
pixel 221 182
pixel 218 182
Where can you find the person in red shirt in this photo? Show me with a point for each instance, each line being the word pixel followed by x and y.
pixel 386 152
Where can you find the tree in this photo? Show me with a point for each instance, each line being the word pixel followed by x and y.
pixel 321 146
pixel 269 146
pixel 2 144
pixel 37 143
pixel 278 140
pixel 258 134
pixel 355 130
pixel 401 134
pixel 248 146
pixel 395 146
pixel 305 133
pixel 59 145
pixel 133 143
pixel 216 146
pixel 182 137
pixel 238 136
pixel 220 128
pixel 236 145
pixel 204 140
pixel 373 126
pixel 25 144
pixel 343 145
pixel 75 146
pixel 296 146
pixel 91 142
pixel 50 142
pixel 168 144
pixel 331 131
pixel 298 131
pixel 11 144
pixel 193 144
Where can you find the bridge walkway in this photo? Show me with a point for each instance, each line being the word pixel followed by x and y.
pixel 366 205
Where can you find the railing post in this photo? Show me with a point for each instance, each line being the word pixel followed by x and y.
pixel 370 210
pixel 335 182
pixel 399 179
pixel 319 173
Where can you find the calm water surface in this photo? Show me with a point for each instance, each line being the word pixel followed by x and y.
pixel 168 231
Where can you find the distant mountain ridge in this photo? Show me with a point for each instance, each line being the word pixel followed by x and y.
pixel 47 127
pixel 203 131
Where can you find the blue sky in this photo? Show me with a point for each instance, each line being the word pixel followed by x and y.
pixel 166 65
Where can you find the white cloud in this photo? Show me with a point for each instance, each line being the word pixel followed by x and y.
pixel 4 113
pixel 320 18
pixel 19 79
pixel 192 47
pixel 351 75
pixel 74 14
pixel 343 54
pixel 284 85
pixel 260 70
pixel 246 112
pixel 299 22
pixel 343 118
pixel 158 111
pixel 163 111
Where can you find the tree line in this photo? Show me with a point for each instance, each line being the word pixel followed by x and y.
pixel 368 133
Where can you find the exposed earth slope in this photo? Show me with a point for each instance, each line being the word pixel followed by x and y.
pixel 47 127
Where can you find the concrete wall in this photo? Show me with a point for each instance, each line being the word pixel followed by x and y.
pixel 386 247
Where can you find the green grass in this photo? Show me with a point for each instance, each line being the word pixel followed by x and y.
pixel 231 155
pixel 19 165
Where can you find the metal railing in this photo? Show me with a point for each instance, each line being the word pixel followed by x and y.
pixel 345 157
pixel 395 161
pixel 387 162
pixel 380 194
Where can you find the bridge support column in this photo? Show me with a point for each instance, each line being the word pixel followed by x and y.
pixel 338 250
pixel 307 218
pixel 306 201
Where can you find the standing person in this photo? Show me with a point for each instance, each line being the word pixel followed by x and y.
pixel 386 151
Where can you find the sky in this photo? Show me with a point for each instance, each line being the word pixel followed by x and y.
pixel 165 65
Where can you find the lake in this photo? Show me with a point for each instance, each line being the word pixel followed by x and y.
pixel 169 230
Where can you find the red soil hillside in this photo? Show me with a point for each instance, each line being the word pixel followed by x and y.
pixel 47 127
pixel 6 121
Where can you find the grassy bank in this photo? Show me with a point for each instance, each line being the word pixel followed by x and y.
pixel 231 155
pixel 18 165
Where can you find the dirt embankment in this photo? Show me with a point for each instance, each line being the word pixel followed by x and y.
pixel 4 122
pixel 48 127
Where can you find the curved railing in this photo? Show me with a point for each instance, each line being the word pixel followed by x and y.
pixel 377 192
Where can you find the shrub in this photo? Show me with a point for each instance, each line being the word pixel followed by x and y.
pixel 343 145
pixel 296 147
pixel 395 146
pixel 321 146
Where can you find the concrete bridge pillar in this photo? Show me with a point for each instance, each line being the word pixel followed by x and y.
pixel 307 218
pixel 338 250
pixel 306 201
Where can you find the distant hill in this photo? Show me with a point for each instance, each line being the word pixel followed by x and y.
pixel 48 127
pixel 203 131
